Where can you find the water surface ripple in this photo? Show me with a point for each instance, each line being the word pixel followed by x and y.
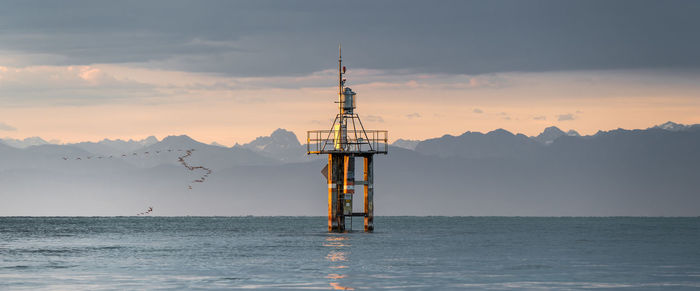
pixel 491 253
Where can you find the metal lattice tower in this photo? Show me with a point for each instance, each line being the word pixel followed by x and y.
pixel 346 140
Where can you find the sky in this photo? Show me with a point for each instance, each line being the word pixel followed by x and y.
pixel 229 71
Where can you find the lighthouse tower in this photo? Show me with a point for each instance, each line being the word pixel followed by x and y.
pixel 343 143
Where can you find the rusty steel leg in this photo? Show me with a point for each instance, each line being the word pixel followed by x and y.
pixel 369 193
pixel 349 184
pixel 331 196
pixel 336 220
pixel 340 171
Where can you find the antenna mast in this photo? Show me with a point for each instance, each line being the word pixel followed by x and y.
pixel 340 72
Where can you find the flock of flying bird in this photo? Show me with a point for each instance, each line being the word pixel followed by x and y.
pixel 201 179
pixel 180 159
pixel 147 212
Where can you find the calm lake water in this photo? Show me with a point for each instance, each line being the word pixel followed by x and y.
pixel 496 253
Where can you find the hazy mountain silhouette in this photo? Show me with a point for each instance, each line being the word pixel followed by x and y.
pixel 552 133
pixel 23 143
pixel 672 126
pixel 620 172
pixel 115 147
pixel 215 157
pixel 497 143
pixel 282 145
pixel 406 143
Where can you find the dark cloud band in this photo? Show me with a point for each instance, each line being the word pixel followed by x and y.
pixel 265 38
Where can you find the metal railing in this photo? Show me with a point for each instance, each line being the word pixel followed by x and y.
pixel 356 142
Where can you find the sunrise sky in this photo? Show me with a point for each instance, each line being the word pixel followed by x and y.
pixel 228 71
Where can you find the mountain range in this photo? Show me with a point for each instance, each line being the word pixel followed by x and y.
pixel 649 172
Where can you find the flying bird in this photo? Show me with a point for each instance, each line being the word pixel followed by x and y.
pixel 180 159
pixel 148 211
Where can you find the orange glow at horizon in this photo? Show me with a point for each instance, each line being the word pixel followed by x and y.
pixel 410 107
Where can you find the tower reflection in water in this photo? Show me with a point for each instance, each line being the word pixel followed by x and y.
pixel 337 257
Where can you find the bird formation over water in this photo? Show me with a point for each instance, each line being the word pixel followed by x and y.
pixel 147 212
pixel 180 159
pixel 206 170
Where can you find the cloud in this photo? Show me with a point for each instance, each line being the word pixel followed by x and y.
pixel 7 127
pixel 478 111
pixel 253 38
pixel 541 117
pixel 413 115
pixel 565 117
pixel 374 118
pixel 66 85
pixel 99 84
